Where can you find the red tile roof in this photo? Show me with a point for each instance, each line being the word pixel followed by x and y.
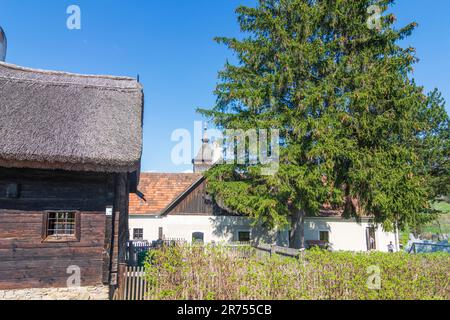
pixel 159 191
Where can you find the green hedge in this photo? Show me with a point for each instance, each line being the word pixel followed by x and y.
pixel 199 273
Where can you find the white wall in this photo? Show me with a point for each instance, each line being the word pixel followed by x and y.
pixel 344 234
pixel 216 229
pixel 347 234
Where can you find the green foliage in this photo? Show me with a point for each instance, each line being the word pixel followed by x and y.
pixel 434 221
pixel 216 273
pixel 442 206
pixel 356 131
pixel 141 258
pixel 440 226
pixel 404 236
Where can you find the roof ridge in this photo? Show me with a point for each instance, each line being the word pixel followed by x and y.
pixel 64 73
pixel 62 83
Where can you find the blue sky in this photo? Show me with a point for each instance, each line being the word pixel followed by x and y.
pixel 169 43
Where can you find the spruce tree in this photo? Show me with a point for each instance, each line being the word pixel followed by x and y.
pixel 357 132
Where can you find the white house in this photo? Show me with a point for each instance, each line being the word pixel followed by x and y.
pixel 176 206
pixel 349 235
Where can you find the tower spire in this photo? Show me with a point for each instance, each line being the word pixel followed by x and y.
pixel 204 159
pixel 205 138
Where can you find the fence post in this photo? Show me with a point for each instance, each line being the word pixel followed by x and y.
pixel 302 254
pixel 121 280
pixel 273 250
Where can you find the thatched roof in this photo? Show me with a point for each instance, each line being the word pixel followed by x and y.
pixel 56 120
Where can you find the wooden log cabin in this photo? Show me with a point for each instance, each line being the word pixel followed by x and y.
pixel 70 151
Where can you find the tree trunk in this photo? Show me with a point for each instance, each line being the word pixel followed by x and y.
pixel 297 233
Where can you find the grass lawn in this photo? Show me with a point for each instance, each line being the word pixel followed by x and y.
pixel 442 225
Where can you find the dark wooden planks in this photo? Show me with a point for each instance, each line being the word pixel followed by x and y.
pixel 196 202
pixel 26 261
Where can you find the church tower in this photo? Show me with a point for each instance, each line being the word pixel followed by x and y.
pixel 205 157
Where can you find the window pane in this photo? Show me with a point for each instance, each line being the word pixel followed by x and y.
pixel 61 224
pixel 138 234
pixel 325 236
pixel 198 237
pixel 244 236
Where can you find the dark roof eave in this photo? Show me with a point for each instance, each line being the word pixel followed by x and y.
pixel 67 166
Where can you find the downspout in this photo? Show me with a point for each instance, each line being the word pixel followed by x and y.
pixel 397 238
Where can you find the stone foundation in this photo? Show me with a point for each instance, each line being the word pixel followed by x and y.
pixel 81 293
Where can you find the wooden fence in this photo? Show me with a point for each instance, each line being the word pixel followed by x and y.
pixel 267 249
pixel 134 285
pixel 135 248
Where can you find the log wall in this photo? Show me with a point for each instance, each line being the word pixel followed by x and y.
pixel 26 259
